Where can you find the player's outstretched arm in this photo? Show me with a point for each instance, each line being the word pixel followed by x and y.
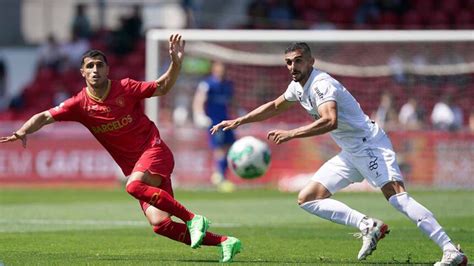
pixel 326 123
pixel 33 124
pixel 261 113
pixel 168 79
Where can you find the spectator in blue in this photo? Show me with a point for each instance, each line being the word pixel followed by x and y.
pixel 210 106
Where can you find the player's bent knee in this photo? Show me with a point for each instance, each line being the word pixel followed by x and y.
pixel 160 221
pixel 313 191
pixel 393 188
pixel 302 199
pixel 133 188
pixel 307 197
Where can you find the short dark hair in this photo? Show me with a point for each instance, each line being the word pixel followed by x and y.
pixel 93 53
pixel 301 46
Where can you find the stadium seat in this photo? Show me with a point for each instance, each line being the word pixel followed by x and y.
pixel 342 18
pixel 422 6
pixel 346 4
pixel 140 46
pixel 300 5
pixel 98 44
pixel 44 75
pixel 324 6
pixel 7 115
pixel 411 20
pixel 135 60
pixel 451 7
pixel 113 60
pixel 388 20
pixel 438 20
pixel 119 71
pixel 464 20
pixel 71 76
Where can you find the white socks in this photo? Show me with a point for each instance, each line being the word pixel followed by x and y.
pixel 340 213
pixel 423 218
pixel 334 211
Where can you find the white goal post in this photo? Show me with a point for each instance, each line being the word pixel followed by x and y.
pixel 424 66
pixel 154 36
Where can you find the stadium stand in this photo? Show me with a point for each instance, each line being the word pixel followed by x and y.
pixel 345 14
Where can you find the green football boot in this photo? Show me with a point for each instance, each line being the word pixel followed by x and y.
pixel 229 248
pixel 197 228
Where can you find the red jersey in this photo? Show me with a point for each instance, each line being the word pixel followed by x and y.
pixel 117 121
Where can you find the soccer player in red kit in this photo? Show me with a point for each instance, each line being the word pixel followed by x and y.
pixel 112 111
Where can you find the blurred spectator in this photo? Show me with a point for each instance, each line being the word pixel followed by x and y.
pixel 257 13
pixel 396 63
pixel 386 115
pixel 446 115
pixel 121 43
pixel 81 26
pixel 50 54
pixel 181 107
pixel 60 93
pixel 367 12
pixel 281 13
pixel 189 8
pixel 411 115
pixel 3 85
pixel 132 25
pixel 123 40
pixel 73 51
pixel 451 56
pixel 394 6
pixel 318 21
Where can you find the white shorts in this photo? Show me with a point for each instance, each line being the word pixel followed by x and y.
pixel 376 162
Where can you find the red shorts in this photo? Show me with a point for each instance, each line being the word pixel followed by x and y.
pixel 158 160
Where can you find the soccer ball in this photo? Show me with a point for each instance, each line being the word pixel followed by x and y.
pixel 249 157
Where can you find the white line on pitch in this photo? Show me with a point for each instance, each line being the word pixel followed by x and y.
pixel 89 222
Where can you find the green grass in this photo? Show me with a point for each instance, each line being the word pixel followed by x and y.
pixel 107 227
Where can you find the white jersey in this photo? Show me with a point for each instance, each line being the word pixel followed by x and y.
pixel 354 127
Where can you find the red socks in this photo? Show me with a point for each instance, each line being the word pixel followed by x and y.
pixel 165 202
pixel 158 198
pixel 179 232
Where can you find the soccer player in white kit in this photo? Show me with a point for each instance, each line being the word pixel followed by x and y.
pixel 366 153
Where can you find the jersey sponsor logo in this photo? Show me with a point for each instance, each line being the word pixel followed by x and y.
pixel 97 109
pixel 114 125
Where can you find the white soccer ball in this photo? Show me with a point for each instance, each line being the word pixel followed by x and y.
pixel 249 157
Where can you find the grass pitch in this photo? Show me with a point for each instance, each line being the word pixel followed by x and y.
pixel 107 227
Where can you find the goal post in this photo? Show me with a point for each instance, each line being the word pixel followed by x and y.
pixel 154 36
pixel 421 64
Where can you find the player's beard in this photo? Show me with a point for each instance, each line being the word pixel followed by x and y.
pixel 299 76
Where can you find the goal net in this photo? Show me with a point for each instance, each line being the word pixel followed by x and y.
pixel 378 67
